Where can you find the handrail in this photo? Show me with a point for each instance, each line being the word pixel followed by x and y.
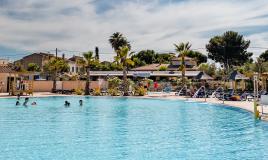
pixel 196 93
pixel 214 93
pixel 185 86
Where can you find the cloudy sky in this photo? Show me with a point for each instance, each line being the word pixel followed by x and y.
pixel 75 26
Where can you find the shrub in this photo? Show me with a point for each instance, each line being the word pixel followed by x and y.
pixel 78 91
pixel 114 82
pixel 97 92
pixel 113 92
pixel 140 91
pixel 162 68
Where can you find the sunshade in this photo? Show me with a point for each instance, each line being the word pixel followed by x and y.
pixel 203 76
pixel 235 75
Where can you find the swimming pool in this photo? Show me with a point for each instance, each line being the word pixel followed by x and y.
pixel 128 128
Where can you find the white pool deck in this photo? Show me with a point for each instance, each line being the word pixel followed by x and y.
pixel 246 105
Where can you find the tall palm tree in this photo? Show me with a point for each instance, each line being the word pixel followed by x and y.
pixel 117 40
pixel 88 61
pixel 182 49
pixel 124 61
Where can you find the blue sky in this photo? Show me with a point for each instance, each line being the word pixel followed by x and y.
pixel 75 26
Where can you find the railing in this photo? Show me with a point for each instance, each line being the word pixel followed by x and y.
pixel 196 93
pixel 214 93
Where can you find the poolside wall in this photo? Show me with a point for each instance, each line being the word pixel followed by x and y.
pixel 46 86
pixel 42 86
pixel 3 80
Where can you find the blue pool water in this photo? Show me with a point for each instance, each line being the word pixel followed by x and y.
pixel 129 129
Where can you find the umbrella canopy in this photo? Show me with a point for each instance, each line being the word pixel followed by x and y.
pixel 203 76
pixel 235 75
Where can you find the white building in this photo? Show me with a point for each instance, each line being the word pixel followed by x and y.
pixel 73 62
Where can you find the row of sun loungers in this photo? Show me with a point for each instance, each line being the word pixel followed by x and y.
pixel 229 95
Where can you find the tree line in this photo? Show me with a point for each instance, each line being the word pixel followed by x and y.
pixel 229 49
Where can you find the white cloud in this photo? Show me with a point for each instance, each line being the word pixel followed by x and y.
pixel 76 25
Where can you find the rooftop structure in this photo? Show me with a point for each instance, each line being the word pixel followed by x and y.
pixel 38 58
pixel 151 73
pixel 174 65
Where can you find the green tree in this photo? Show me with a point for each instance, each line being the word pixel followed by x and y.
pixel 97 56
pixel 117 40
pixel 55 66
pixel 229 49
pixel 124 61
pixel 183 49
pixel 163 58
pixel 18 67
pixel 107 66
pixel 87 63
pixel 247 69
pixel 144 57
pixel 33 67
pixel 264 56
pixel 198 56
pixel 210 69
pixel 260 66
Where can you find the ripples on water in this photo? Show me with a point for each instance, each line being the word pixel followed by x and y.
pixel 121 128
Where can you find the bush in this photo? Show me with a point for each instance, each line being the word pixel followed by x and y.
pixel 114 82
pixel 78 91
pixel 113 92
pixel 163 68
pixel 97 92
pixel 140 91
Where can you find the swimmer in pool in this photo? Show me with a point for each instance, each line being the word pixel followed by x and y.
pixel 17 103
pixel 81 102
pixel 34 104
pixel 67 104
pixel 26 101
pixel 18 97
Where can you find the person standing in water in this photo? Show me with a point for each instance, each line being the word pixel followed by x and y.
pixel 18 97
pixel 81 102
pixel 26 101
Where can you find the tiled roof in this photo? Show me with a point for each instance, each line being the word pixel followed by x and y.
pixel 75 58
pixel 235 75
pixel 41 54
pixel 179 58
pixel 156 67
pixel 6 69
pixel 151 67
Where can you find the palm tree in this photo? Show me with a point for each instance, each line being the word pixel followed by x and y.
pixel 89 59
pixel 55 66
pixel 260 65
pixel 182 49
pixel 124 62
pixel 117 40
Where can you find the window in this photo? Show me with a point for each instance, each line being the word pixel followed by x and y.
pixel 72 69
